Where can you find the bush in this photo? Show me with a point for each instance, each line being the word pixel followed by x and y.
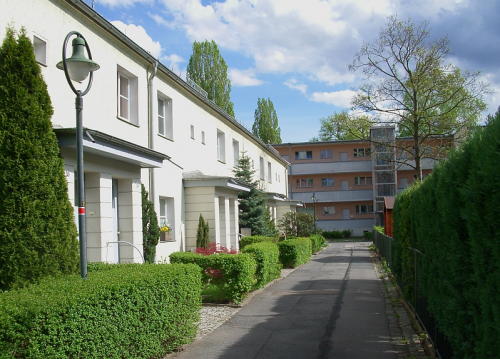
pixel 127 311
pixel 266 256
pixel 346 233
pixel 368 235
pixel 233 274
pixel 332 234
pixel 37 223
pixel 379 229
pixel 317 241
pixel 202 233
pixel 245 241
pixel 297 224
pixel 294 252
pixel 214 248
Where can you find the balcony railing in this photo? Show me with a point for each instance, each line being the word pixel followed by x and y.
pixel 331 167
pixel 334 196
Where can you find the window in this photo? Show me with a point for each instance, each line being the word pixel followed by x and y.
pixel 127 96
pixel 262 174
pixel 167 216
pixel 328 210
pixel 221 146
pixel 236 152
pixel 40 47
pixel 305 182
pixel 203 137
pixel 364 208
pixel 303 155
pixel 327 182
pixel 359 181
pixel 361 152
pixel 326 154
pixel 192 132
pixel 165 116
pixel 253 164
pixel 269 173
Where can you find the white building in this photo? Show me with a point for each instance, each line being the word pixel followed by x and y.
pixel 143 124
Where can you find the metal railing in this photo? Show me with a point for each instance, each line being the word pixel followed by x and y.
pixel 415 299
pixel 123 242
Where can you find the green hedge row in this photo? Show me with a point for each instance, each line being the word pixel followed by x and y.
pixel 294 252
pixel 453 217
pixel 238 270
pixel 128 311
pixel 266 255
pixel 245 241
pixel 317 241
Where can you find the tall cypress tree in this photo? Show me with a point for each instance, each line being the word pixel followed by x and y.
pixel 150 229
pixel 252 205
pixel 37 225
pixel 265 125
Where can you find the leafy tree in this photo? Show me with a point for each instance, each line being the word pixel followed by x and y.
pixel 341 126
pixel 202 234
pixel 252 205
pixel 414 89
pixel 265 125
pixel 150 229
pixel 208 69
pixel 298 224
pixel 37 225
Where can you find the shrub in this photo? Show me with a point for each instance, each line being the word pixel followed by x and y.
pixel 294 252
pixel 298 224
pixel 379 229
pixel 346 233
pixel 37 225
pixel 214 248
pixel 332 234
pixel 245 241
pixel 317 241
pixel 368 235
pixel 202 233
pixel 128 311
pixel 237 271
pixel 266 256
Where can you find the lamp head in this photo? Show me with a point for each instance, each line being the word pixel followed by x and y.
pixel 78 65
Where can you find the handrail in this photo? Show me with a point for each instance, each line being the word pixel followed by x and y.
pixel 124 242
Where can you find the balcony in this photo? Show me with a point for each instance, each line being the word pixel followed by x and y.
pixel 426 163
pixel 334 196
pixel 330 167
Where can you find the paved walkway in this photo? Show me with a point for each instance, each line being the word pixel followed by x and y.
pixel 331 307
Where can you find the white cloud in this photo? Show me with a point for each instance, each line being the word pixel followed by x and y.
pixel 337 98
pixel 172 62
pixel 243 77
pixel 139 36
pixel 296 85
pixel 123 3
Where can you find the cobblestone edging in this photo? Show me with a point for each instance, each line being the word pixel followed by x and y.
pixel 406 342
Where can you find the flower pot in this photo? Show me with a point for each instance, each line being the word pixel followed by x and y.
pixel 165 237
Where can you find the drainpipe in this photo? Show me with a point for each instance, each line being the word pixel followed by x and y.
pixel 151 129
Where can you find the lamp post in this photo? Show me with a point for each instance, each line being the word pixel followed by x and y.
pixel 314 198
pixel 77 68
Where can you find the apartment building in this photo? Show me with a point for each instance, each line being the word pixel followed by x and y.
pixel 143 125
pixel 344 182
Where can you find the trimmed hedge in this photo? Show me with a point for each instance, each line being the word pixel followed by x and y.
pixel 266 256
pixel 294 252
pixel 128 311
pixel 317 241
pixel 238 270
pixel 332 234
pixel 245 241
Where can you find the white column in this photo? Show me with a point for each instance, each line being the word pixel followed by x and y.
pixel 227 223
pixel 99 215
pixel 130 219
pixel 233 226
pixel 216 237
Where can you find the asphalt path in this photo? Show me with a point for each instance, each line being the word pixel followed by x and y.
pixel 331 307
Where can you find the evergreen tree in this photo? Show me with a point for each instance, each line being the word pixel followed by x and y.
pixel 202 233
pixel 265 125
pixel 37 225
pixel 150 229
pixel 252 205
pixel 208 69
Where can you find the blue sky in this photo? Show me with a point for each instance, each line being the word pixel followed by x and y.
pixel 297 52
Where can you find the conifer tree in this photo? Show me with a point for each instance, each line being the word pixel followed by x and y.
pixel 37 225
pixel 202 233
pixel 252 205
pixel 150 229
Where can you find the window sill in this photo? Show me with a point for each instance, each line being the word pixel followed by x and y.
pixel 165 137
pixel 221 161
pixel 127 121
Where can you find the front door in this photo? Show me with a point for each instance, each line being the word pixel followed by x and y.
pixel 345 214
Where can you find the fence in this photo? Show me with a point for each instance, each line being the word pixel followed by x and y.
pixel 410 289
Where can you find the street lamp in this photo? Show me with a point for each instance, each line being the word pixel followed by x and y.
pixel 315 199
pixel 77 68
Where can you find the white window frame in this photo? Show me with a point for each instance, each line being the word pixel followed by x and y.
pixel 167 214
pixel 327 154
pixel 221 146
pixel 329 210
pixel 236 152
pixel 363 181
pixel 303 155
pixel 203 137
pixel 364 208
pixel 304 183
pixel 192 132
pixel 327 181
pixel 40 49
pixel 132 97
pixel 165 116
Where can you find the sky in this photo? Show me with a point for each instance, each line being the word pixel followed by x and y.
pixel 297 52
